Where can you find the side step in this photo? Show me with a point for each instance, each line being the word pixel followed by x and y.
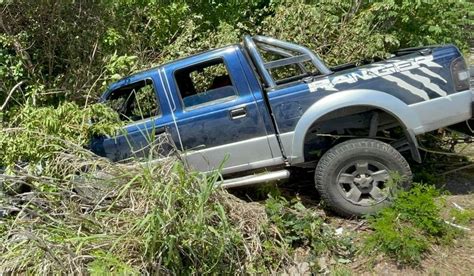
pixel 255 179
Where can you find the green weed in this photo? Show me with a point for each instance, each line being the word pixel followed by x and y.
pixel 406 230
pixel 298 226
pixel 463 217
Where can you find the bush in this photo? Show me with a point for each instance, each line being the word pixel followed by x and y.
pixel 74 212
pixel 36 136
pixel 71 50
pixel 406 230
pixel 299 227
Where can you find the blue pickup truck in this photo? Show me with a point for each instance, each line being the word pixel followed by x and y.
pixel 264 108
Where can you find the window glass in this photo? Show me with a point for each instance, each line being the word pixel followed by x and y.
pixel 205 83
pixel 135 102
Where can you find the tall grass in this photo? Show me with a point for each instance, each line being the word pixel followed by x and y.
pixel 135 218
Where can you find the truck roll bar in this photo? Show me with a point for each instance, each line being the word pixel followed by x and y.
pixel 283 48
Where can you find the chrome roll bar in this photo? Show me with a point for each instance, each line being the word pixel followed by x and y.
pixel 284 49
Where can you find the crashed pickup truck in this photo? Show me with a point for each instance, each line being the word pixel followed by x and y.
pixel 264 108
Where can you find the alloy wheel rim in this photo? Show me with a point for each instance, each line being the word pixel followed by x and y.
pixel 363 182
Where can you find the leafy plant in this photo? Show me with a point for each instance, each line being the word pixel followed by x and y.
pixel 298 226
pixel 69 49
pixel 461 216
pixel 406 230
pixel 38 135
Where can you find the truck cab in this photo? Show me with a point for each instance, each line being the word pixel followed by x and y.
pixel 210 104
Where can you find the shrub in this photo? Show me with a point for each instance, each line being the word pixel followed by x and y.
pixel 36 135
pixel 154 219
pixel 298 226
pixel 406 230
pixel 78 213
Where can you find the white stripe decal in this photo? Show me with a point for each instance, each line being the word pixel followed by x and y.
pixel 408 87
pixel 431 74
pixel 429 62
pixel 426 82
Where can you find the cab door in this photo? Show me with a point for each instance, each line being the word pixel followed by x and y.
pixel 218 119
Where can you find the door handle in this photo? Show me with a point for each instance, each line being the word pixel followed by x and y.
pixel 238 113
pixel 160 130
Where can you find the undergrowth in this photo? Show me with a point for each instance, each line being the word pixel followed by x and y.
pixel 35 136
pixel 299 227
pixel 407 229
pixel 73 212
pixel 70 211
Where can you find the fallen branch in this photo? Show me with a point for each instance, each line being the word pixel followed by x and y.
pixel 458 207
pixel 459 169
pixel 359 225
pixel 457 226
pixel 10 94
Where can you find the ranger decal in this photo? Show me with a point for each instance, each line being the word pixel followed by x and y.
pixel 386 72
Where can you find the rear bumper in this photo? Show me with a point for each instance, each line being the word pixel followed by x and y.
pixel 466 127
pixel 444 111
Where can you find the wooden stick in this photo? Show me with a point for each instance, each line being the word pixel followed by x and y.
pixel 11 93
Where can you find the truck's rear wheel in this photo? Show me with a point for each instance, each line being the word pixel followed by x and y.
pixel 352 176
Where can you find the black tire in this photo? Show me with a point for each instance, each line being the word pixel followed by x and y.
pixel 365 162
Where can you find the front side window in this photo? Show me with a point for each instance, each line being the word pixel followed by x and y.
pixel 205 83
pixel 135 102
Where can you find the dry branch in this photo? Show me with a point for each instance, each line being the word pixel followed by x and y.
pixel 10 94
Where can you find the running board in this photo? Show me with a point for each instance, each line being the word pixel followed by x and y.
pixel 255 179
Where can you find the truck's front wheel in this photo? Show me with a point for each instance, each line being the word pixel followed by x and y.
pixel 352 176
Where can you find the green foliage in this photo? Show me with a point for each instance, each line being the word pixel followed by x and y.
pixel 162 219
pixel 463 217
pixel 407 229
pixel 76 49
pixel 425 22
pixel 12 70
pixel 268 189
pixel 187 230
pixel 333 29
pixel 345 31
pixel 86 215
pixel 37 135
pixel 117 67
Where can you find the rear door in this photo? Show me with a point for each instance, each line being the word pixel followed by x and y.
pixel 148 123
pixel 218 118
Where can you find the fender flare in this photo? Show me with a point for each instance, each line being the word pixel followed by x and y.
pixel 355 97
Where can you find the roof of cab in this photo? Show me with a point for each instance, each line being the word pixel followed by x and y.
pixel 143 74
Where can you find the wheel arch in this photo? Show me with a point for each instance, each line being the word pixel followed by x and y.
pixel 355 98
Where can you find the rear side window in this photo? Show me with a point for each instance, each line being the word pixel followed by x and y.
pixel 282 74
pixel 205 83
pixel 135 102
